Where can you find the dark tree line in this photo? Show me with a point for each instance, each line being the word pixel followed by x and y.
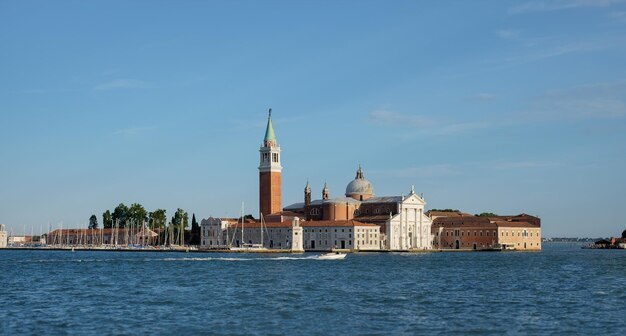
pixel 135 216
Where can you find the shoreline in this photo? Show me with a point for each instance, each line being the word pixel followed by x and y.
pixel 272 251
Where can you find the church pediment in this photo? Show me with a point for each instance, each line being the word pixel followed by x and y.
pixel 413 199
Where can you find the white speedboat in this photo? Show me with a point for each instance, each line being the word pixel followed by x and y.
pixel 332 256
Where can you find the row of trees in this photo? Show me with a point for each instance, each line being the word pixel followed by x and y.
pixel 136 215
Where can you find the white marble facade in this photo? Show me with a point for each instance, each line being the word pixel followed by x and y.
pixel 409 229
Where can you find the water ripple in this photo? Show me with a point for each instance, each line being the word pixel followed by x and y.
pixel 561 290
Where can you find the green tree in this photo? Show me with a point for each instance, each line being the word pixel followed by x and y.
pixel 487 214
pixel 93 222
pixel 137 215
pixel 246 217
pixel 107 220
pixel 195 231
pixel 445 210
pixel 120 215
pixel 157 219
pixel 180 220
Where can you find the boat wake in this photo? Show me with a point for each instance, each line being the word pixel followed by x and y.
pixel 169 259
pixel 239 259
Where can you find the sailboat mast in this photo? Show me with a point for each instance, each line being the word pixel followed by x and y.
pixel 242 240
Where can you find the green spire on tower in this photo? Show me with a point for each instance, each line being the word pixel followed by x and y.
pixel 269 132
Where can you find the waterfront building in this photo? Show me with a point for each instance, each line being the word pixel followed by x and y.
pixel 468 232
pixel 19 240
pixel 359 220
pixel 293 234
pixel 213 232
pixel 401 219
pixel 3 236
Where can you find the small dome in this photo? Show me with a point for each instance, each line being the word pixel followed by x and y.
pixel 360 186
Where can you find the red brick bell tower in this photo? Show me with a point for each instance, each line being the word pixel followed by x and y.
pixel 270 194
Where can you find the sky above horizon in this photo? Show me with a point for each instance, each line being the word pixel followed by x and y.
pixel 485 106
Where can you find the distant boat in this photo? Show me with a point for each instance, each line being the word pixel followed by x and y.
pixel 332 256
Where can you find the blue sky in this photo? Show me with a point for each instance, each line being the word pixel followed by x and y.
pixel 500 106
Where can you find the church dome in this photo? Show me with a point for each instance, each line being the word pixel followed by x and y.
pixel 359 188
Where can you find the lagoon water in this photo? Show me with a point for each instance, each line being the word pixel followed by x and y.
pixel 560 290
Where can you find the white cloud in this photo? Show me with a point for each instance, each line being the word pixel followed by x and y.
pixel 434 170
pixel 540 53
pixel 600 101
pixel 131 131
pixel 460 128
pixel 483 96
pixel 618 16
pixel 521 165
pixel 462 168
pixel 508 34
pixel 556 5
pixel 423 125
pixel 123 83
pixel 391 118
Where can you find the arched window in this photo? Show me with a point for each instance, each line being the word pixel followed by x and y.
pixel 315 211
pixel 357 212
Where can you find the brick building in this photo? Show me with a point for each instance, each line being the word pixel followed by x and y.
pixel 468 232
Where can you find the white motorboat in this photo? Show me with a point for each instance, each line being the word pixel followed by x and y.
pixel 332 256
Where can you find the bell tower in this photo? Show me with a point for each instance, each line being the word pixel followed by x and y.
pixel 307 194
pixel 270 195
